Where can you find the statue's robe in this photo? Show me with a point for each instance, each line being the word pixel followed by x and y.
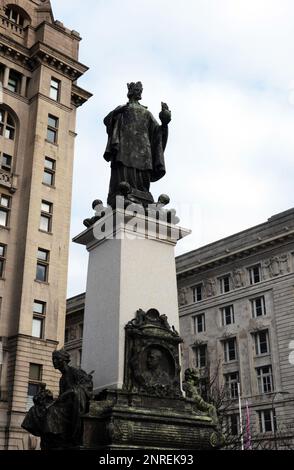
pixel 134 147
pixel 62 417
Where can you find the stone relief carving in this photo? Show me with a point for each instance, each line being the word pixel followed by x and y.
pixel 152 355
pixel 276 266
pixel 238 278
pixel 285 263
pixel 115 431
pixel 210 287
pixel 183 296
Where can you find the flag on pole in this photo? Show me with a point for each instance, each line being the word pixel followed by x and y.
pixel 240 417
pixel 248 442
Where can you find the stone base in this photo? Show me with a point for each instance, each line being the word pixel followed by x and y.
pixel 123 420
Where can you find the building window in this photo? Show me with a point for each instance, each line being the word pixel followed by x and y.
pixel 2 260
pixel 42 265
pixel 39 312
pixel 201 356
pixel 49 172
pixel 254 274
pixel 14 81
pixel 267 421
pixel 35 378
pixel 6 162
pixel 197 293
pixel 4 210
pixel 7 126
pixel 52 129
pixel 199 323
pixel 233 424
pixel 228 317
pixel 230 350
pixel 261 342
pixel 46 216
pixel 231 381
pixel 54 89
pixel 265 379
pixel 225 284
pixel 258 307
pixel 14 16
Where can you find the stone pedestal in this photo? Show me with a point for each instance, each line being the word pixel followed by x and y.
pixel 130 421
pixel 131 267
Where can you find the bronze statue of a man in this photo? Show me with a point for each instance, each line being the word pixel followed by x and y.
pixel 135 148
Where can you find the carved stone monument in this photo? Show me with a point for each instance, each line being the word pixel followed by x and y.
pixel 131 320
pixel 150 411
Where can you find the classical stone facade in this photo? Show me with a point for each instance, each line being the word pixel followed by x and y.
pixel 237 318
pixel 39 69
pixel 74 328
pixel 236 306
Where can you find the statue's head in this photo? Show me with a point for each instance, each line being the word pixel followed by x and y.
pixel 60 359
pixel 135 90
pixel 153 358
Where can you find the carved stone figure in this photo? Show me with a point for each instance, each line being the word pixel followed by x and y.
pixel 266 266
pixel 210 287
pixel 58 422
pixel 191 387
pixel 182 296
pixel 275 266
pixel 271 267
pixel 152 356
pixel 284 261
pixel 135 148
pixel 155 374
pixel 238 278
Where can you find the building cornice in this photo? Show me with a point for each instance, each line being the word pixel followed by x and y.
pixel 234 255
pixel 79 96
pixel 43 97
pixel 32 338
pixel 15 51
pixel 41 53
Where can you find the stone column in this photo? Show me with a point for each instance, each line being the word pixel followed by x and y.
pixel 6 77
pixel 23 87
pixel 131 268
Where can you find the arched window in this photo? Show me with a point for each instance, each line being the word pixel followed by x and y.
pixel 7 125
pixel 17 15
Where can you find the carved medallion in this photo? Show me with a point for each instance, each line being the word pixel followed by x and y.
pixel 152 356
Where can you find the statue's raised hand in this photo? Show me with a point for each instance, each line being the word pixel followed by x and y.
pixel 165 114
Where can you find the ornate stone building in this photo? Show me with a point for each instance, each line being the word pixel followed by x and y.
pixel 39 69
pixel 236 306
pixel 237 319
pixel 74 328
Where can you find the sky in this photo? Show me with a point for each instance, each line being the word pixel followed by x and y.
pixel 226 70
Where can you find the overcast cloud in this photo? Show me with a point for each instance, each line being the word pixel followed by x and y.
pixel 226 69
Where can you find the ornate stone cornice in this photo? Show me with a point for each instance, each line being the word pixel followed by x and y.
pixel 79 96
pixel 234 255
pixel 42 54
pixel 14 51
